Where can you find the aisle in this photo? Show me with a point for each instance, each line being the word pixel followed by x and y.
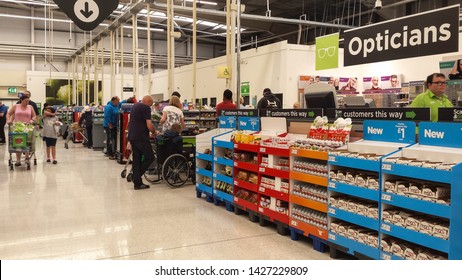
pixel 82 209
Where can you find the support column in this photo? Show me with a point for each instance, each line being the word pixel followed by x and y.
pixel 228 41
pixel 84 88
pixel 194 51
pixel 170 46
pixel 238 55
pixel 32 38
pixel 112 64
pixel 96 75
pixel 135 54
pixel 122 54
pixel 102 71
pixel 149 83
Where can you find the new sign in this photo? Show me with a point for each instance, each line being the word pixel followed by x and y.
pixel 87 14
pixel 428 33
pixel 389 131
pixel 440 134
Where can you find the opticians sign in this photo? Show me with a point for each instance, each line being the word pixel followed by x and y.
pixel 87 14
pixel 432 32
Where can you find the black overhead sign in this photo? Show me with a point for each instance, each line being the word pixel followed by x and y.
pixel 428 33
pixel 403 114
pixel 87 14
pixel 293 113
pixel 239 113
pixel 450 114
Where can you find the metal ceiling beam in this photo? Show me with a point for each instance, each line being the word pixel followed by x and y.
pixel 258 18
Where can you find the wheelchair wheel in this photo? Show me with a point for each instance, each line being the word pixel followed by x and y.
pixel 175 170
pixel 123 174
pixel 152 175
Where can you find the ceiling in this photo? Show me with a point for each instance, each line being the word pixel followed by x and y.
pixel 262 21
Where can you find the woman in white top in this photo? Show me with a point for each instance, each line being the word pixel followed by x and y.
pixel 172 114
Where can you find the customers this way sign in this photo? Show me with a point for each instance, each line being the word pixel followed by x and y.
pixel 428 33
pixel 87 14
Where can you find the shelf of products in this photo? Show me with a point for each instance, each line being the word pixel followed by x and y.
pixel 200 119
pixel 354 187
pixel 223 169
pixel 246 176
pixel 421 196
pixel 308 192
pixel 274 178
pixel 205 162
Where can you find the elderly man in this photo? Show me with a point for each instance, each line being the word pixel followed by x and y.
pixel 138 135
pixel 111 118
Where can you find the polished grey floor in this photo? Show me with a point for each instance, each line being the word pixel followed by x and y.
pixel 81 208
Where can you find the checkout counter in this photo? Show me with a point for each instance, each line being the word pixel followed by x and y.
pixel 98 130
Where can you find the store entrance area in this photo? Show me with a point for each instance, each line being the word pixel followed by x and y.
pixel 81 208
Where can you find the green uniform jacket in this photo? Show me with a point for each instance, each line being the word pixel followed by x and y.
pixel 429 100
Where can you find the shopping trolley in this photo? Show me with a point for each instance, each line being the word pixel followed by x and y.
pixel 21 142
pixel 74 128
pixel 124 174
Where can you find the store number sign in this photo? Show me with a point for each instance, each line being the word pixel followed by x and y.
pixel 87 14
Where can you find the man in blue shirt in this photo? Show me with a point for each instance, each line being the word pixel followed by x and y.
pixel 3 113
pixel 111 118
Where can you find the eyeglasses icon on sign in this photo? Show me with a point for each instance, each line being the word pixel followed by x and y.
pixel 330 51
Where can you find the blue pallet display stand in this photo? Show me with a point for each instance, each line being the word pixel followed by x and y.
pixel 401 133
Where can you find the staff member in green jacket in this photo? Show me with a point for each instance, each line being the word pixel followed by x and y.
pixel 434 97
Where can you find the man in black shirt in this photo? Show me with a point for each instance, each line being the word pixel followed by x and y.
pixel 31 103
pixel 138 135
pixel 269 100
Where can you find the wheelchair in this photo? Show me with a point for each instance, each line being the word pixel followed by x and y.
pixel 173 163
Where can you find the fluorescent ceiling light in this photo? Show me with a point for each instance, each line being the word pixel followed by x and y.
pixel 180 18
pixel 158 15
pixel 30 3
pixel 203 2
pixel 207 23
pixel 220 26
pixel 144 28
pixel 139 28
pixel 35 18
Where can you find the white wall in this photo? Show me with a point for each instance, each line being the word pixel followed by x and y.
pixel 262 67
pixel 278 67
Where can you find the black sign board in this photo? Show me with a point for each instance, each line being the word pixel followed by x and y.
pixel 293 113
pixel 127 89
pixel 416 83
pixel 239 113
pixel 450 114
pixel 87 14
pixel 427 33
pixel 359 114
